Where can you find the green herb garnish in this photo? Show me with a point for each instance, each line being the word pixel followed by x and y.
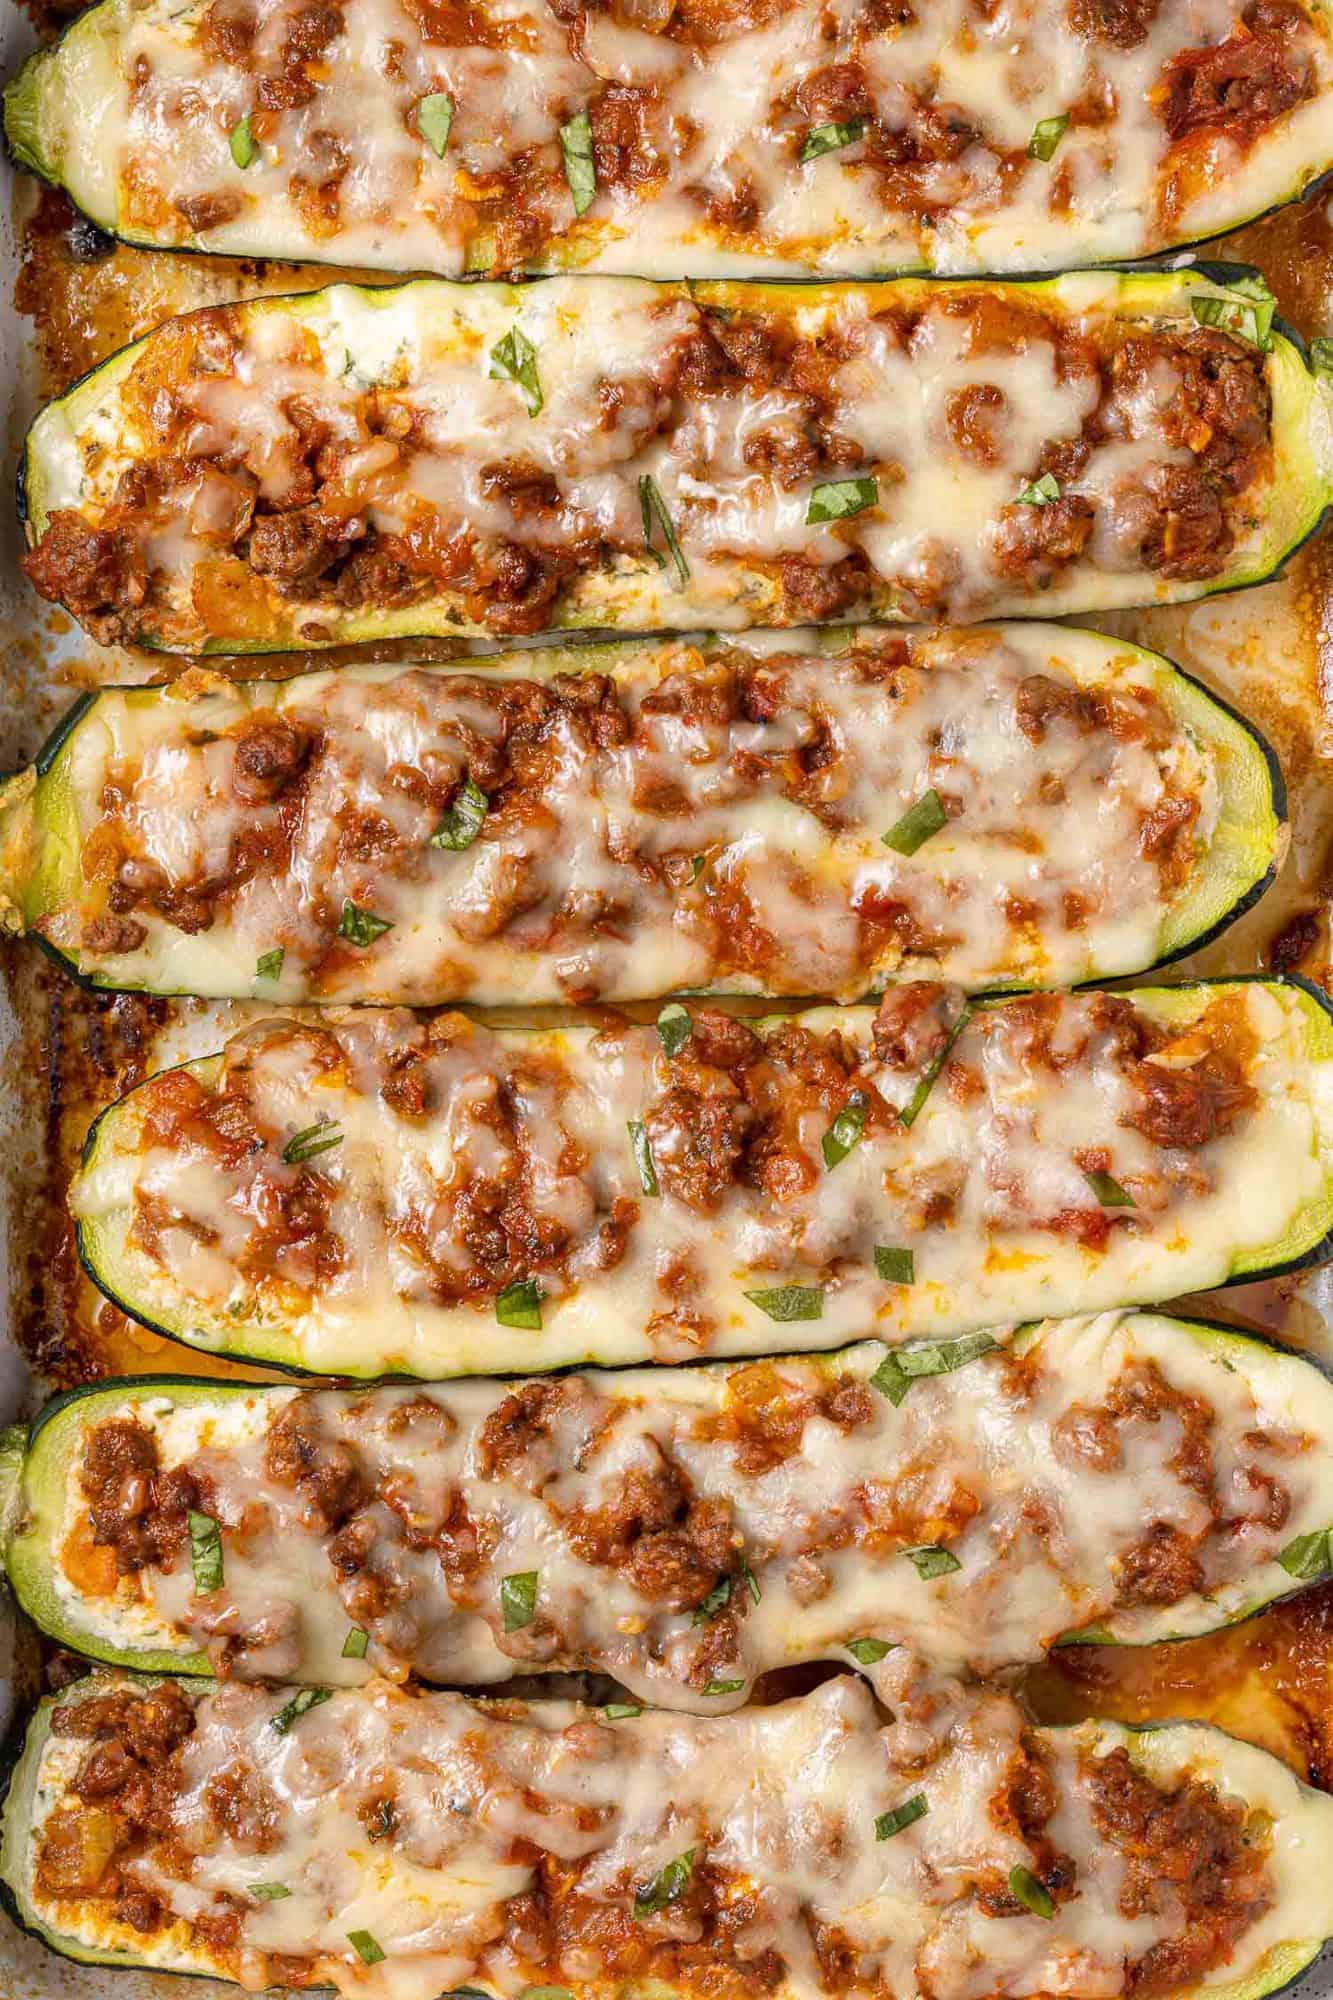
pixel 845 1131
pixel 724 1687
pixel 1109 1191
pixel 313 1139
pixel 518 1599
pixel 717 1599
pixel 1034 1895
pixel 241 139
pixel 922 819
pixel 902 1366
pixel 674 1027
pixel 365 1947
pixel 269 966
pixel 666 1887
pixel 514 359
pixel 1246 311
pixel 869 1651
pixel 1309 1556
pixel 839 499
pixel 205 1552
pixel 822 139
pixel 299 1705
pixel 580 165
pixel 1046 136
pixel 621 1711
pixel 360 926
pixel 435 120
pixel 789 1302
pixel 896 1267
pixel 1041 492
pixel 354 1645
pixel 520 1304
pixel 643 1156
pixel 906 1814
pixel 464 819
pixel 931 1560
pixel 915 1104
pixel 269 1892
pixel 653 509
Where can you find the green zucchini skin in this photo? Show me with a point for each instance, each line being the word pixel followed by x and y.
pixel 40 876
pixel 1308 1242
pixel 1295 506
pixel 29 149
pixel 34 1466
pixel 1280 1969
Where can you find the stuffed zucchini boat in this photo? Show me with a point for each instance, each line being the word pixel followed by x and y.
pixel 436 1197
pixel 798 1850
pixel 357 464
pixel 1014 805
pixel 714 139
pixel 684 1532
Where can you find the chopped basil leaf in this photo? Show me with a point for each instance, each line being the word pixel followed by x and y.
pixel 788 1302
pixel 845 1131
pixel 1109 1191
pixel 1309 1556
pixel 354 1645
pixel 902 1366
pixel 917 824
pixel 1034 1895
pixel 869 1651
pixel 298 1706
pixel 621 1711
pixel 514 359
pixel 915 1104
pixel 435 120
pixel 1249 317
pixel 360 926
pixel 242 142
pixel 751 1582
pixel 718 1597
pixel 653 509
pixel 463 821
pixel 666 1887
pixel 896 1267
pixel 520 1304
pixel 931 1560
pixel 365 1947
pixel 518 1599
pixel 1041 492
pixel 906 1814
pixel 1321 355
pixel 674 1028
pixel 839 499
pixel 270 965
pixel 724 1687
pixel 269 1892
pixel 1046 136
pixel 643 1156
pixel 822 139
pixel 313 1139
pixel 205 1552
pixel 580 166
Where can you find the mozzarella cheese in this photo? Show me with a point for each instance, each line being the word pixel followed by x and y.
pixel 729 834
pixel 989 1186
pixel 837 139
pixel 1049 1469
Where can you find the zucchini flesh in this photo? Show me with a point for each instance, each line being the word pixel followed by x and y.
pixel 287 1610
pixel 439 193
pixel 413 1915
pixel 1089 1221
pixel 486 519
pixel 688 873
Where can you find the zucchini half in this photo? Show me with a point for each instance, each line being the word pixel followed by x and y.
pixel 1269 1206
pixel 916 525
pixel 991 1612
pixel 819 1757
pixel 1128 191
pixel 671 937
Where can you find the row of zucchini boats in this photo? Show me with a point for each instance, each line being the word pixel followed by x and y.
pixel 915 1425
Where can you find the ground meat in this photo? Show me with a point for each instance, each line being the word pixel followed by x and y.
pixel 974 416
pixel 764 1418
pixel 1042 701
pixel 1186 1850
pixel 1244 83
pixel 1032 544
pixel 97 573
pixel 269 753
pixel 1189 1107
pixel 134 1508
pixel 1124 24
pixel 325 1472
pixel 1160 1568
pixel 298 547
pixel 673 1547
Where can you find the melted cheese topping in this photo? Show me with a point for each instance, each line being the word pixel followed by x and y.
pixel 417 1823
pixel 352 465
pixel 470 1159
pixel 1119 1470
pixel 715 819
pixel 699 128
